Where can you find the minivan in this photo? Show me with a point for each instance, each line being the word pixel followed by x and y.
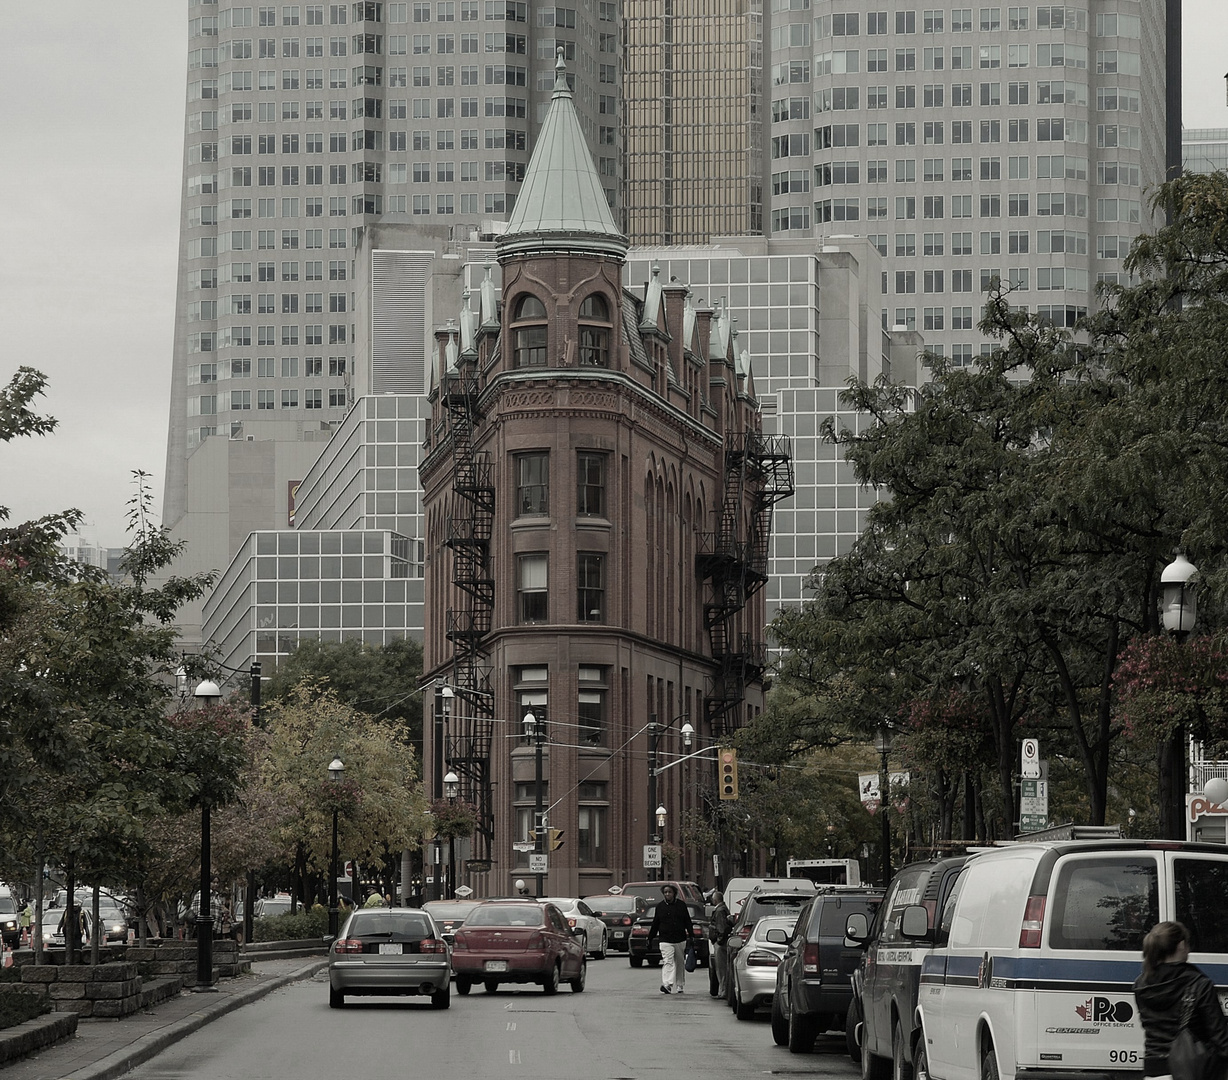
pixel 1031 968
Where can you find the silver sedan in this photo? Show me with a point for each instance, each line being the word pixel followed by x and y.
pixel 754 967
pixel 580 916
pixel 387 951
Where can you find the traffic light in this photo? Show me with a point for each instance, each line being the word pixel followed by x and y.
pixel 728 781
pixel 555 839
pixel 533 835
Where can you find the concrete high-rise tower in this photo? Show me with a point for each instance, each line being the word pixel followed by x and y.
pixel 306 123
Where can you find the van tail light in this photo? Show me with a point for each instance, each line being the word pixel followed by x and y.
pixel 1033 923
pixel 349 945
pixel 432 945
pixel 810 958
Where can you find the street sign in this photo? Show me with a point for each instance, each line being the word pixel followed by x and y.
pixel 523 845
pixel 463 890
pixel 1030 764
pixel 1034 801
pixel 1033 822
pixel 652 856
pixel 537 864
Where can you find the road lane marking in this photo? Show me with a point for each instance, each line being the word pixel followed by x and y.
pixel 511 1025
pixel 513 1057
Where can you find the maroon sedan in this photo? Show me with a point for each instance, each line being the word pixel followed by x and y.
pixel 517 941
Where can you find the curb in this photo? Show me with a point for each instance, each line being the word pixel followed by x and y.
pixel 148 1046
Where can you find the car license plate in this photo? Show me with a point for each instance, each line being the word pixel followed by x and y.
pixel 620 933
pixel 390 947
pixel 496 965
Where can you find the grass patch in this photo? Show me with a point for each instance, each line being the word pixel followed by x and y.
pixel 17 1008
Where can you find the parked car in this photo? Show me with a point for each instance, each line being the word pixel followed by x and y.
pixel 814 981
pixel 518 941
pixel 449 914
pixel 1056 930
pixel 382 951
pixel 879 1026
pixel 580 916
pixel 272 905
pixel 638 951
pixel 10 925
pixel 688 891
pixel 619 914
pixel 114 925
pixel 762 900
pixel 754 974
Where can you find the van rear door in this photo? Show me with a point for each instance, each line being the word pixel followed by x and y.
pixel 1080 967
pixel 1199 879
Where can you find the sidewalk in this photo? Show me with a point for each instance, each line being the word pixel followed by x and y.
pixel 105 1049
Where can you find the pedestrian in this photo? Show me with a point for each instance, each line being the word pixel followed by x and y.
pixel 671 922
pixel 720 924
pixel 27 920
pixel 375 899
pixel 1171 993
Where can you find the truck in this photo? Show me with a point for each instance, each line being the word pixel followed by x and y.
pixel 825 871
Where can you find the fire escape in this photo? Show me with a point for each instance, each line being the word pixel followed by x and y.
pixel 735 558
pixel 468 744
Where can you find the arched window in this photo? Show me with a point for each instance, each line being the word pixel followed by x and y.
pixel 530 340
pixel 595 338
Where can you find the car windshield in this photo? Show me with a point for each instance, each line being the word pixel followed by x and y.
pixel 774 922
pixel 507 915
pixel 612 903
pixel 7 907
pixel 274 907
pixel 758 906
pixel 651 893
pixel 394 925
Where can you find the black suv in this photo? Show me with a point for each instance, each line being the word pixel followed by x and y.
pixel 813 982
pixel 761 900
pixel 880 1017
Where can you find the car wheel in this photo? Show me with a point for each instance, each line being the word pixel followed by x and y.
pixel 801 1033
pixel 780 1026
pixel 637 961
pixel 851 1020
pixel 336 999
pixel 605 947
pixel 463 986
pixel 441 999
pixel 920 1059
pixel 577 984
pixel 901 1059
pixel 491 985
pixel 873 1067
pixel 743 1010
pixel 551 983
pixel 989 1064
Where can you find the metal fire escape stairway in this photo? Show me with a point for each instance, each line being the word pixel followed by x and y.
pixel 762 467
pixel 469 740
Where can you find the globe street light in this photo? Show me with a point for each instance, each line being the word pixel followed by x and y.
pixel 451 788
pixel 336 773
pixel 1179 612
pixel 207 693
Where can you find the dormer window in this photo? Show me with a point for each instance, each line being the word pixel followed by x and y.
pixel 594 337
pixel 530 350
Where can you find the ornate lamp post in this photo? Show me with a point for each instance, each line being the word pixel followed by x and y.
pixel 451 789
pixel 655 731
pixel 1179 612
pixel 207 693
pixel 336 772
pixel 882 743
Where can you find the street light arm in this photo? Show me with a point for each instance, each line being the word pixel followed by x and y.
pixel 679 761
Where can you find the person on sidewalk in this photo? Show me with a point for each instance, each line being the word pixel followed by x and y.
pixel 719 926
pixel 671 923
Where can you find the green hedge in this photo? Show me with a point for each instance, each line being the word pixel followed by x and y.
pixel 16 1008
pixel 311 923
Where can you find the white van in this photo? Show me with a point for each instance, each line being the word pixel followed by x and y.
pixel 1037 950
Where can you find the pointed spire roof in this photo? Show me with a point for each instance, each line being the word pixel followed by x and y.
pixel 561 203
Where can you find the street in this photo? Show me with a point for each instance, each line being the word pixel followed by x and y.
pixel 621 1027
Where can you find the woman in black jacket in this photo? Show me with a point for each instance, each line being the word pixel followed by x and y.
pixel 1160 992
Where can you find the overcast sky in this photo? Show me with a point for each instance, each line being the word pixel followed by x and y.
pixel 91 95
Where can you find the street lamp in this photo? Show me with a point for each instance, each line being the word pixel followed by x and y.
pixel 655 731
pixel 882 743
pixel 1179 612
pixel 336 773
pixel 535 729
pixel 451 788
pixel 207 693
pixel 661 814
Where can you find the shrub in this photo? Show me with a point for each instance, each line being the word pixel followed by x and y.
pixel 17 1007
pixel 307 923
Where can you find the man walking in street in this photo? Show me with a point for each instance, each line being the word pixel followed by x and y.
pixel 671 922
pixel 719 926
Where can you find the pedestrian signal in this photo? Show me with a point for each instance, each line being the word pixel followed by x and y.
pixel 728 780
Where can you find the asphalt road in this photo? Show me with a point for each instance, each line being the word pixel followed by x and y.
pixel 620 1028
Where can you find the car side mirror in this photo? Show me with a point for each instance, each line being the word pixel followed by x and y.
pixel 778 937
pixel 915 923
pixel 857 928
